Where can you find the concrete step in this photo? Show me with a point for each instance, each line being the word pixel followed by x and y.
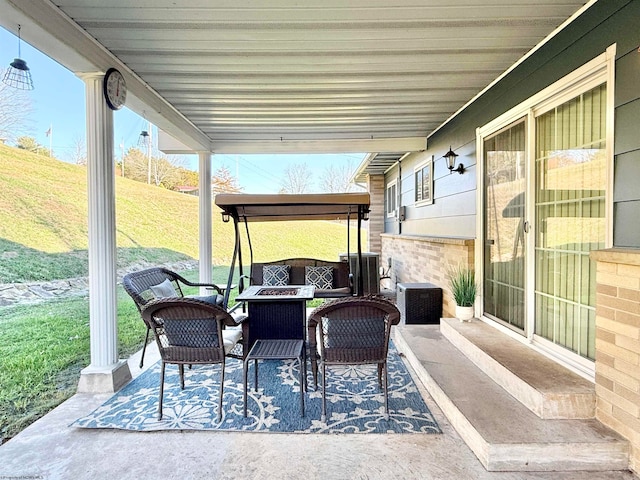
pixel 503 433
pixel 548 389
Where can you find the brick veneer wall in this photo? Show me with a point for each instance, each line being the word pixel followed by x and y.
pixel 618 344
pixel 375 184
pixel 417 259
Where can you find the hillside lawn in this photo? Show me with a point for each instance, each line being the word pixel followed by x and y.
pixel 44 236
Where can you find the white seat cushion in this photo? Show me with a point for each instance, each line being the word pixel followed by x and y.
pixel 164 289
pixel 230 337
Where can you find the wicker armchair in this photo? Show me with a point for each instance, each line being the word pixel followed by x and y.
pixel 141 285
pixel 354 331
pixel 189 331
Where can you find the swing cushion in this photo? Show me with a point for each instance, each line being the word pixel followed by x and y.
pixel 319 277
pixel 341 281
pixel 276 275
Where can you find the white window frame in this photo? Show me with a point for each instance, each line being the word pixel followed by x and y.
pixel 418 170
pixel 595 72
pixel 391 213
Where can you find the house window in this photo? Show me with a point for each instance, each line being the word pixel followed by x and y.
pixel 424 182
pixel 391 199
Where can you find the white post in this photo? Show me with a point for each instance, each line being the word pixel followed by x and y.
pixel 105 373
pixel 205 249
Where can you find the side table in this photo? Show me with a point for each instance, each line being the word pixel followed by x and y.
pixel 277 349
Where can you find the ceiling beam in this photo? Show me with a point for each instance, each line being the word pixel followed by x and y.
pixel 59 37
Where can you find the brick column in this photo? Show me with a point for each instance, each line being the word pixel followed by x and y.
pixel 618 344
pixel 375 185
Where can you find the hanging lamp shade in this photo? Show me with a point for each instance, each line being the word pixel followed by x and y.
pixel 144 139
pixel 18 74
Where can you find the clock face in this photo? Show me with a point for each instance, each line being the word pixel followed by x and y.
pixel 115 89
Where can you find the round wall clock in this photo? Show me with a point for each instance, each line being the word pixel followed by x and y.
pixel 115 89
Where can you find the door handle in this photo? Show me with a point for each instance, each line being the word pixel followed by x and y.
pixel 526 227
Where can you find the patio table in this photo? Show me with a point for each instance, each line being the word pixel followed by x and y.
pixel 276 312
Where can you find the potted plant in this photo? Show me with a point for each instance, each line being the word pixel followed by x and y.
pixel 462 281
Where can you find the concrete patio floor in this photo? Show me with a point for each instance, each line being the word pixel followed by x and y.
pixel 50 449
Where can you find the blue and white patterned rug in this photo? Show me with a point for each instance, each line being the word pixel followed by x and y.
pixel 355 404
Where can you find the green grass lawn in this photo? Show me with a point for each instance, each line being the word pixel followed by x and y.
pixel 43 349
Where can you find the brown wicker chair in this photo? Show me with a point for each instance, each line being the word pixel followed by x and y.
pixel 189 331
pixel 139 286
pixel 354 331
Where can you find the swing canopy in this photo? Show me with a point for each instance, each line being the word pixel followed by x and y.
pixel 285 207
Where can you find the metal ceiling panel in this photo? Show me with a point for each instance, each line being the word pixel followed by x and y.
pixel 241 73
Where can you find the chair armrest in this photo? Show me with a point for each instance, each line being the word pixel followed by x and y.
pixel 181 279
pixel 235 321
pixel 241 282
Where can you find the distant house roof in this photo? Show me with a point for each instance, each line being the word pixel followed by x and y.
pixel 186 189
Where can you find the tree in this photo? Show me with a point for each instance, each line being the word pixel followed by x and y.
pixel 15 112
pixel 337 179
pixel 165 171
pixel 223 182
pixel 78 154
pixel 29 144
pixel 136 165
pixel 188 177
pixel 297 178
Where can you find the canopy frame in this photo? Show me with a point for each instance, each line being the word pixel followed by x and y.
pixel 247 208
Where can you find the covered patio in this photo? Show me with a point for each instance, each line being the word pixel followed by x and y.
pixel 51 449
pixel 374 77
pixel 233 78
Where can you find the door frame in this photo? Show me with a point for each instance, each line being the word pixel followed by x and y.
pixel 595 72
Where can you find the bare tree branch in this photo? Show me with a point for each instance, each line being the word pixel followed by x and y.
pixel 297 178
pixel 223 182
pixel 78 154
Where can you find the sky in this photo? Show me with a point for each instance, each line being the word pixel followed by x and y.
pixel 58 103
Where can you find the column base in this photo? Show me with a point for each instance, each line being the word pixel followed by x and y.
pixel 107 379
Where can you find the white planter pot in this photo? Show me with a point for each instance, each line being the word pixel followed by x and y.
pixel 464 314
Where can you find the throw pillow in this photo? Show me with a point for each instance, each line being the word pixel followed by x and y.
pixel 164 289
pixel 275 275
pixel 319 277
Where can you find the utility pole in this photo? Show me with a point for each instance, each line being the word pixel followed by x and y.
pixel 149 156
pixel 49 134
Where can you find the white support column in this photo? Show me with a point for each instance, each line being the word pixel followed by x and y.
pixel 105 373
pixel 205 222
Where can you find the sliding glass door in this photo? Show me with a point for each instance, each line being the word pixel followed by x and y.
pixel 504 225
pixel 544 178
pixel 571 172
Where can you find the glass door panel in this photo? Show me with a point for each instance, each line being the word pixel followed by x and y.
pixel 570 168
pixel 504 223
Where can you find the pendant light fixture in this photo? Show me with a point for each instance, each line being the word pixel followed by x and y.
pixel 18 74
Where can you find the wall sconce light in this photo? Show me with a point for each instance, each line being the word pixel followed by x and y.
pixel 365 214
pixel 225 217
pixel 451 162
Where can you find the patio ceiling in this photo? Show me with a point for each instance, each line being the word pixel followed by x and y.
pixel 240 76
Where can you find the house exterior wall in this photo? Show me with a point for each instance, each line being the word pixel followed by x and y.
pixel 452 216
pixel 391 224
